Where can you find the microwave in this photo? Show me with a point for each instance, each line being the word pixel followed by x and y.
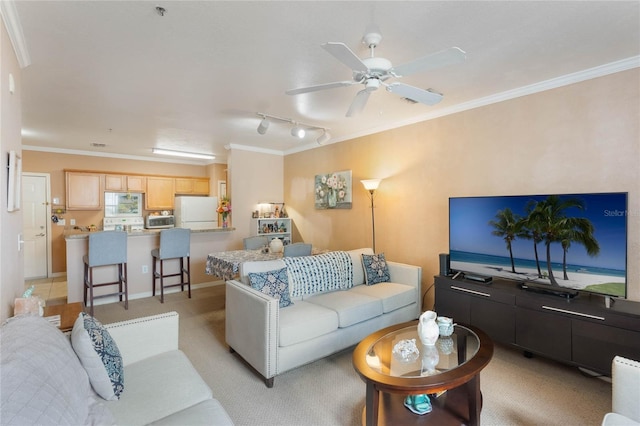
pixel 159 222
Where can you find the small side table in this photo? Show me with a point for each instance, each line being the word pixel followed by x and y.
pixel 68 314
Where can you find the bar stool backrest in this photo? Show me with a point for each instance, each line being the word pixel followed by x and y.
pixel 175 242
pixel 107 248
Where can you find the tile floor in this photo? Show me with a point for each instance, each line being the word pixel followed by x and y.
pixel 52 290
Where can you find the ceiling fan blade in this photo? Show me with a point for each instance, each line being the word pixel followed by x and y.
pixel 345 55
pixel 358 103
pixel 453 55
pixel 415 93
pixel 319 87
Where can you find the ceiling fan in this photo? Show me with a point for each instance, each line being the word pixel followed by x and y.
pixel 373 71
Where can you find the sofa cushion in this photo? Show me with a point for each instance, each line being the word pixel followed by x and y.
pixel 356 260
pixel 149 397
pixel 375 268
pixel 305 321
pixel 351 307
pixel 393 295
pixel 37 363
pixel 274 284
pixel 99 356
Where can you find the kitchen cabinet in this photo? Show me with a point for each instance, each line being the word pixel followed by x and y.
pixel 84 190
pixel 273 228
pixel 124 183
pixel 160 193
pixel 192 186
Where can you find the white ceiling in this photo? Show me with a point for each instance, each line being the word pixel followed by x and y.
pixel 117 73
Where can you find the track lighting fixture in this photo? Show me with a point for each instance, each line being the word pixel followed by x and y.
pixel 324 137
pixel 299 130
pixel 263 126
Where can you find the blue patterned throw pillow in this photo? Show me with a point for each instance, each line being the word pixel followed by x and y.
pixel 99 356
pixel 375 268
pixel 274 284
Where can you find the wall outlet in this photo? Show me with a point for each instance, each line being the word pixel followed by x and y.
pixel 72 222
pixel 145 269
pixel 60 222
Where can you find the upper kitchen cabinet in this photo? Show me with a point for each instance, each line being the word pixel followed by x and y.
pixel 192 186
pixel 124 183
pixel 160 193
pixel 85 191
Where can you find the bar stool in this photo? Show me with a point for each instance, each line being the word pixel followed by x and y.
pixel 106 248
pixel 174 244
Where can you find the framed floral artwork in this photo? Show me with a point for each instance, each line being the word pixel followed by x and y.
pixel 333 190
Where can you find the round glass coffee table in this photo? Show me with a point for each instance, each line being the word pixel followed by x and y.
pixel 450 370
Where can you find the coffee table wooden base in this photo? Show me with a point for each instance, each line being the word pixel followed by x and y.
pixel 449 409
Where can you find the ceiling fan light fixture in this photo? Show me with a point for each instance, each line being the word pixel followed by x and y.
pixel 298 131
pixel 182 154
pixel 263 126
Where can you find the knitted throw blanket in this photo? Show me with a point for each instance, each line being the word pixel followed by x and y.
pixel 315 274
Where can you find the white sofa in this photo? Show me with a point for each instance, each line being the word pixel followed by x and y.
pixel 44 383
pixel 625 397
pixel 274 340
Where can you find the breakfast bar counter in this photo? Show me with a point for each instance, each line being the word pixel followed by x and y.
pixel 139 260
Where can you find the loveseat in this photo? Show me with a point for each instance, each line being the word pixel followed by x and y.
pixel 331 306
pixel 44 382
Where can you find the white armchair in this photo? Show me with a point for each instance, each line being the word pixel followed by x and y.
pixel 625 398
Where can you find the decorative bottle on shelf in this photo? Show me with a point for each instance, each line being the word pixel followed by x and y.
pixel 428 329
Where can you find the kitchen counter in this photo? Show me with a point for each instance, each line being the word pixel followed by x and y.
pixel 139 260
pixel 80 234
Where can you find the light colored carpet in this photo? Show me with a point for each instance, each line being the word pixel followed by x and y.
pixel 516 390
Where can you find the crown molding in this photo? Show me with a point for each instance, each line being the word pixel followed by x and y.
pixel 14 28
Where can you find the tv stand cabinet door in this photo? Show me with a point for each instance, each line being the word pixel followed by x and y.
pixel 544 333
pixel 494 318
pixel 595 345
pixel 453 304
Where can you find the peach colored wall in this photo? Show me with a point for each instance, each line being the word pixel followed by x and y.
pixel 254 177
pixel 579 138
pixel 11 259
pixel 55 164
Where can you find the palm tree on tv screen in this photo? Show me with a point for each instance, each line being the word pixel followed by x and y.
pixel 532 230
pixel 508 226
pixel 556 227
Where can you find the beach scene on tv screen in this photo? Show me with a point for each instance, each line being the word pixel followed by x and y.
pixel 574 241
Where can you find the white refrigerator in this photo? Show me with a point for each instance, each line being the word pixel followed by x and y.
pixel 196 212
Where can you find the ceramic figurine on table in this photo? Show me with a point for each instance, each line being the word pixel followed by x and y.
pixel 428 329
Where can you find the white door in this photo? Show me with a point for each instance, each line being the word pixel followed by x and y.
pixel 36 215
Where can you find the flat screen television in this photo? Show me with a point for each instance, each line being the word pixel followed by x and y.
pixel 568 242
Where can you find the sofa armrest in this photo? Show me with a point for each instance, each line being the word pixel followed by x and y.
pixel 251 326
pixel 141 338
pixel 402 273
pixel 625 383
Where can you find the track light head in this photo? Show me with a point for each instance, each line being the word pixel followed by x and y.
pixel 298 131
pixel 263 126
pixel 324 137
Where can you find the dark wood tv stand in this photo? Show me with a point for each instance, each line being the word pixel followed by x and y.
pixel 579 331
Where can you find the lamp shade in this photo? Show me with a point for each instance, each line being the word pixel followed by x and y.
pixel 371 184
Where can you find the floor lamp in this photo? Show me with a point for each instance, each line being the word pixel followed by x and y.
pixel 371 185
